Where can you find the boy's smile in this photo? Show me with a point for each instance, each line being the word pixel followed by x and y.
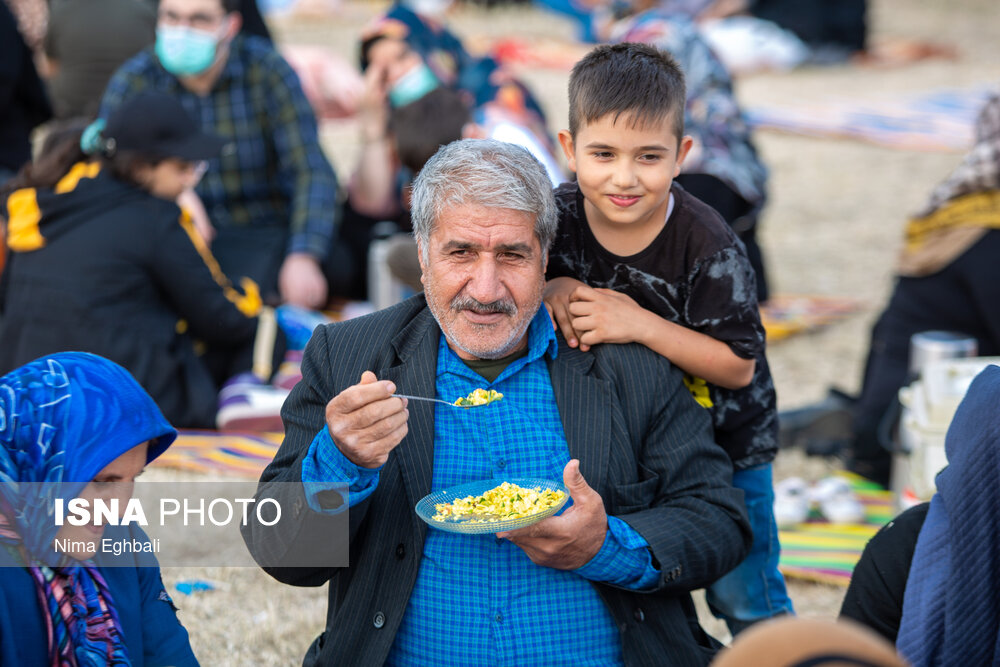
pixel 624 173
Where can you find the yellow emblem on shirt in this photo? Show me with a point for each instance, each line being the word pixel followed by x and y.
pixel 698 389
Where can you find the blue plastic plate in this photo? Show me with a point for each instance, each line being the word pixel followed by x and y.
pixel 425 508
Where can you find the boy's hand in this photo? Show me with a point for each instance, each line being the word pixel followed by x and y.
pixel 604 316
pixel 557 295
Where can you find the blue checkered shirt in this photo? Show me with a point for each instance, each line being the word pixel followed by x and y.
pixel 273 171
pixel 479 600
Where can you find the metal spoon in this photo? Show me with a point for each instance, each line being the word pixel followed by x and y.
pixel 438 400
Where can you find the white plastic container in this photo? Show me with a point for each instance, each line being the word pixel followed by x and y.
pixel 383 289
pixel 928 407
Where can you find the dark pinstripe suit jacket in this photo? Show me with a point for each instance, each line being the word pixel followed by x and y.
pixel 642 441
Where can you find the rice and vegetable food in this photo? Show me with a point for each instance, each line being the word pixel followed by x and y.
pixel 479 397
pixel 501 503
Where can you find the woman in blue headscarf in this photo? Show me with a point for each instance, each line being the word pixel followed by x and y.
pixel 77 425
pixel 929 581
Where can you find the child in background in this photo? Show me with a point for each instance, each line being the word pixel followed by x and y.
pixel 102 260
pixel 638 259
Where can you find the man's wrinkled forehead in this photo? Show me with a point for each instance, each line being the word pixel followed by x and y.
pixel 479 227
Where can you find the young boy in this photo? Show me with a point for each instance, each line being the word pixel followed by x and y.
pixel 638 259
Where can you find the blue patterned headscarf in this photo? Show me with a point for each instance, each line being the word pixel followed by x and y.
pixel 951 607
pixel 63 418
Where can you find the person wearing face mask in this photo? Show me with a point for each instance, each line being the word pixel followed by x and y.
pixel 102 260
pixel 416 68
pixel 63 599
pixel 271 195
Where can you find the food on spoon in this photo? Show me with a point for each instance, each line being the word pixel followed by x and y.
pixel 478 397
pixel 507 501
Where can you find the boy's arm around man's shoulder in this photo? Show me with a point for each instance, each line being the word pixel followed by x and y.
pixel 597 315
pixel 696 353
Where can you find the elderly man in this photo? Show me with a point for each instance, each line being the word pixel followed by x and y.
pixel 606 582
pixel 272 195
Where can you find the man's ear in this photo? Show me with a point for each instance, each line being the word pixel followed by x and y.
pixel 423 266
pixel 566 141
pixel 235 24
pixel 682 152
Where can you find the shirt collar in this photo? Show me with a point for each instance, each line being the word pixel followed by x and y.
pixel 541 341
pixel 542 336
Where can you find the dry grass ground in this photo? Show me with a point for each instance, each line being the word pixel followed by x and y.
pixel 832 227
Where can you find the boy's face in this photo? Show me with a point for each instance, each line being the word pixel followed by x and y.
pixel 625 171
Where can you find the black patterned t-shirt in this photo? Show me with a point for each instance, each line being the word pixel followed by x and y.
pixel 696 274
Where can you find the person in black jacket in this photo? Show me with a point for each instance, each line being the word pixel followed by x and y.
pixel 102 260
pixel 947 278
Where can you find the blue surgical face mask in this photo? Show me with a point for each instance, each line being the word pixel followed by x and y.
pixel 412 86
pixel 185 51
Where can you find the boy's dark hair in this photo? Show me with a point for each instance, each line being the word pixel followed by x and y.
pixel 230 6
pixel 421 127
pixel 630 79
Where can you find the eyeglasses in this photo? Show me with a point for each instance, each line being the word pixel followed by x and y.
pixel 198 21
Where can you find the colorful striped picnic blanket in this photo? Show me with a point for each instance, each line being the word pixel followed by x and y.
pixel 937 120
pixel 820 551
pixel 787 314
pixel 240 454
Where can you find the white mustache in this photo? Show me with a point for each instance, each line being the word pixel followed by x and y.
pixel 505 306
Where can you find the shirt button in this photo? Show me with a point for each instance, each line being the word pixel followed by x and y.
pixel 639 614
pixel 379 619
pixel 501 464
pixel 499 540
pixel 498 618
pixel 400 552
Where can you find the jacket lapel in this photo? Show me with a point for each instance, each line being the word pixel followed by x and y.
pixel 416 346
pixel 583 402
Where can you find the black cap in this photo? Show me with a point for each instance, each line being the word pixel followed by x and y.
pixel 155 124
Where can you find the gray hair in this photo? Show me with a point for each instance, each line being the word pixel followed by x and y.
pixel 483 172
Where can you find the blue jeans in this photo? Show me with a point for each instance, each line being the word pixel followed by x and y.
pixel 755 590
